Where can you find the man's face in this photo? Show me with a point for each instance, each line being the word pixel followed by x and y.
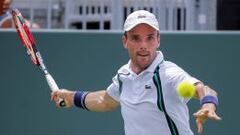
pixel 141 42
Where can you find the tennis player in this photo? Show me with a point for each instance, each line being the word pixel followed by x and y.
pixel 6 17
pixel 145 87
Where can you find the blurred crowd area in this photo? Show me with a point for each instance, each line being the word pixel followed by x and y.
pixel 173 15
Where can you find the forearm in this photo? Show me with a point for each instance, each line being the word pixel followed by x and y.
pixel 209 102
pixel 100 101
pixel 206 95
pixel 203 90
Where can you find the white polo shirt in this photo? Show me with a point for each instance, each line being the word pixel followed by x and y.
pixel 152 107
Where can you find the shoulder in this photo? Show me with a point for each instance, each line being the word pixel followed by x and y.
pixel 121 71
pixel 124 69
pixel 169 66
pixel 171 71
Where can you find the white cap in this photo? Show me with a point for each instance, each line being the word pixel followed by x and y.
pixel 138 17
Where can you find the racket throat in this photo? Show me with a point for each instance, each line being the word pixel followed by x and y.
pixel 41 64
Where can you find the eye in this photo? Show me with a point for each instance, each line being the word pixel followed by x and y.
pixel 149 38
pixel 135 38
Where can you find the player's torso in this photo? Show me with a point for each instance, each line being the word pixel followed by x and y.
pixel 139 107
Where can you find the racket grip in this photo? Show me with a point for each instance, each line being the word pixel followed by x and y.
pixel 51 82
pixel 53 86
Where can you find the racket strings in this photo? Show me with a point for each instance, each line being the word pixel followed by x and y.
pixel 25 36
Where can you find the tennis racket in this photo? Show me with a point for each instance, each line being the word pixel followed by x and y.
pixel 28 41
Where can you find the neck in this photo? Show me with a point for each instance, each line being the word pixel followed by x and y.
pixel 137 69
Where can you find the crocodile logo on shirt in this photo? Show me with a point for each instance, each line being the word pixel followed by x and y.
pixel 148 86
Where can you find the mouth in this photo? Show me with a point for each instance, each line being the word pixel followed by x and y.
pixel 143 54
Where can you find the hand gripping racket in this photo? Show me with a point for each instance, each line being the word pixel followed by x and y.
pixel 27 40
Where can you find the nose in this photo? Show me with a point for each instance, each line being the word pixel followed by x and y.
pixel 143 45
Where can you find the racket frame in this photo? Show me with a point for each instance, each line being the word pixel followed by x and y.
pixel 28 41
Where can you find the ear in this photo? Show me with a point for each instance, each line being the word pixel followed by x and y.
pixel 124 41
pixel 158 41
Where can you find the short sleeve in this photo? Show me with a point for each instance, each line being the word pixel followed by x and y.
pixel 175 75
pixel 113 89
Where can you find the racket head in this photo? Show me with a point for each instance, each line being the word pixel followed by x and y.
pixel 25 35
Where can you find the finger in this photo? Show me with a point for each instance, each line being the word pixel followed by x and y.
pixel 205 113
pixel 217 117
pixel 201 117
pixel 196 114
pixel 199 126
pixel 200 129
pixel 211 115
pixel 53 95
pixel 214 116
pixel 201 113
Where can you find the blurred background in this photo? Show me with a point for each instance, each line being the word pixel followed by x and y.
pixel 80 41
pixel 176 15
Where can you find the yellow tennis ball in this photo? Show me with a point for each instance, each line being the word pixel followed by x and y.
pixel 186 89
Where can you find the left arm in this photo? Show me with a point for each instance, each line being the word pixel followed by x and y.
pixel 207 109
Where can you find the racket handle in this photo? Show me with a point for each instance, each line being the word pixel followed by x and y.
pixel 53 86
pixel 51 82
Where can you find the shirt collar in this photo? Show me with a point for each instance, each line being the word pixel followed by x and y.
pixel 159 59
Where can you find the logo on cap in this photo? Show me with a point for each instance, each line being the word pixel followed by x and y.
pixel 141 16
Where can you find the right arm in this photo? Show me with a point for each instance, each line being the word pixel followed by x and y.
pixel 98 101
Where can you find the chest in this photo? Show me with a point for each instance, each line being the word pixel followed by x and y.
pixel 141 91
pixel 138 89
